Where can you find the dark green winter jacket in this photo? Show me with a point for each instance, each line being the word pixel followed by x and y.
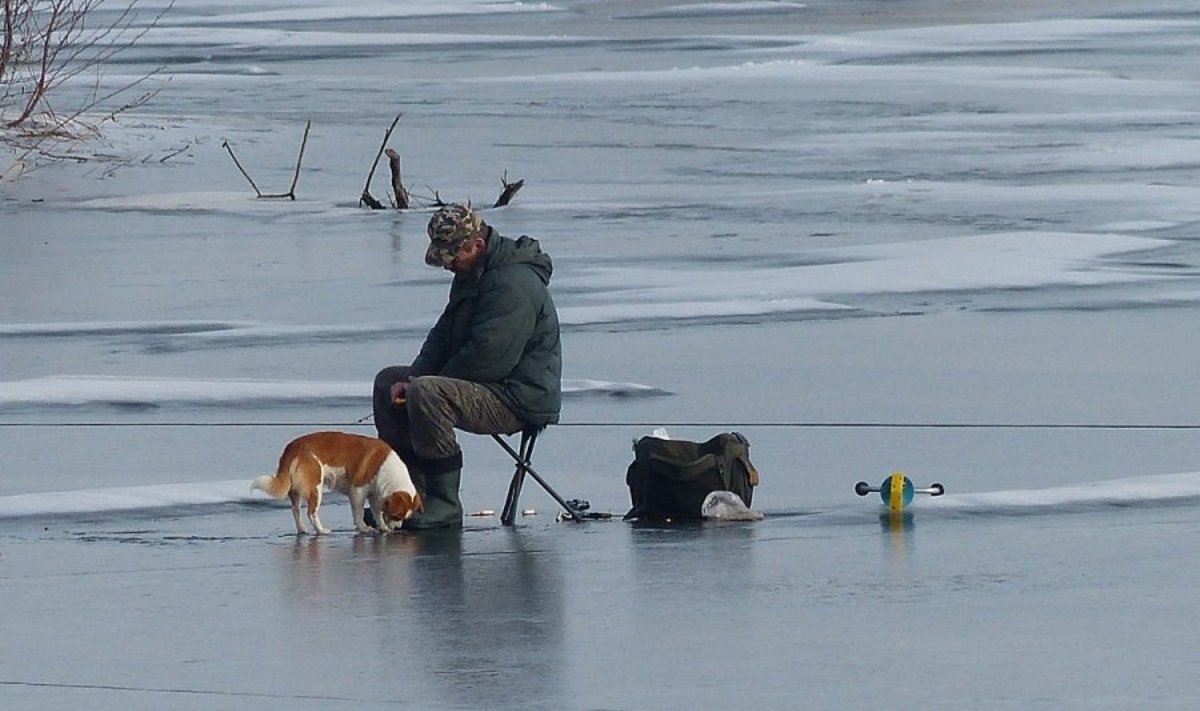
pixel 500 328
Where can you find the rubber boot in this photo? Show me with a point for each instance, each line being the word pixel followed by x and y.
pixel 437 481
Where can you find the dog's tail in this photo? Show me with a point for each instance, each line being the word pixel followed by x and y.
pixel 275 486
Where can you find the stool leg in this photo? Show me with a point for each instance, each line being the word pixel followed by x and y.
pixel 509 514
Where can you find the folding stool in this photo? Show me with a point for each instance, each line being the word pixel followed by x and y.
pixel 523 459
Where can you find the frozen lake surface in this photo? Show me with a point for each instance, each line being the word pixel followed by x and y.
pixel 216 606
pixel 928 236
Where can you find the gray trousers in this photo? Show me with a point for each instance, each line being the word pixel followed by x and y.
pixel 434 406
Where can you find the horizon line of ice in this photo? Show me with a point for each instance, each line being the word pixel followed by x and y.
pixel 77 390
pixel 1126 491
pixel 374 11
pixel 715 9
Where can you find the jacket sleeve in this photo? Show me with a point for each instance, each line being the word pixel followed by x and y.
pixel 435 350
pixel 501 326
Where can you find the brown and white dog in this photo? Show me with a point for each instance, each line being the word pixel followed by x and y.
pixel 363 468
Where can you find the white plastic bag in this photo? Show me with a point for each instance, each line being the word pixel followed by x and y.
pixel 727 506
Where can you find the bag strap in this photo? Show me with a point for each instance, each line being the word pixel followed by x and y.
pixel 751 471
pixel 743 456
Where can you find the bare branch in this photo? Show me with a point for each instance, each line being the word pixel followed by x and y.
pixel 398 190
pixel 174 153
pixel 226 146
pixel 48 43
pixel 299 159
pixel 370 200
pixel 6 47
pixel 510 190
pixel 291 193
pixel 383 144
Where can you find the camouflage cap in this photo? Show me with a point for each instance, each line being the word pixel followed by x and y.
pixel 449 228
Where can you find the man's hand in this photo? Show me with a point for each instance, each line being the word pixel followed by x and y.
pixel 398 393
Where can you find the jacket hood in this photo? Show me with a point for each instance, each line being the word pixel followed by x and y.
pixel 502 251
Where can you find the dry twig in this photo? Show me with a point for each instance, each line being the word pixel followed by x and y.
pixel 226 146
pixel 401 195
pixel 366 193
pixel 510 190
pixel 291 193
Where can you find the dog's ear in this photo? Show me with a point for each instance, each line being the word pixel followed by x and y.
pixel 412 502
pixel 401 503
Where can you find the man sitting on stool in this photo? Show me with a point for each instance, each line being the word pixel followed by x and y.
pixel 492 364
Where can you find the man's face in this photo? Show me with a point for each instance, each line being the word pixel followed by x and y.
pixel 467 255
